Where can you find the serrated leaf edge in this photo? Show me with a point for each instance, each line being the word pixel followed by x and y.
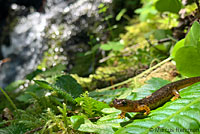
pixel 176 113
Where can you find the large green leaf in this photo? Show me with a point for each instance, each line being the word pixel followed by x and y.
pixel 70 85
pixel 193 37
pixel 178 45
pixel 168 5
pixel 187 55
pixel 188 61
pixel 181 114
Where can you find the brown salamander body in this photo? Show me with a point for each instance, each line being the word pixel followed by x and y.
pixel 154 100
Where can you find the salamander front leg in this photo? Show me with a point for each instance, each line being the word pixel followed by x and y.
pixel 144 108
pixel 122 115
pixel 176 95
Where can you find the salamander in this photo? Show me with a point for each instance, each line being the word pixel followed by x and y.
pixel 154 100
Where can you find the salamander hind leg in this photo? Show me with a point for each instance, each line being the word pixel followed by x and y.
pixel 144 108
pixel 176 95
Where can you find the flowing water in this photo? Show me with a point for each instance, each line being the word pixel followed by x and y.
pixel 28 39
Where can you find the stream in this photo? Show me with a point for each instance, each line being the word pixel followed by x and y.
pixel 28 40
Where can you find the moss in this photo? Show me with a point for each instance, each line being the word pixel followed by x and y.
pixel 106 76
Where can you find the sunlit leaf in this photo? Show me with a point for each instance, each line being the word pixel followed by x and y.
pixel 177 46
pixel 188 61
pixel 184 113
pixel 193 37
pixel 77 121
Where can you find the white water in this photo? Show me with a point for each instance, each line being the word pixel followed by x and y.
pixel 27 39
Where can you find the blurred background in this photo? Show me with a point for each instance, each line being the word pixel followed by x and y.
pixel 98 42
pixel 43 33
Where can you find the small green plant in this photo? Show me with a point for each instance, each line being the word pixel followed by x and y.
pixel 90 106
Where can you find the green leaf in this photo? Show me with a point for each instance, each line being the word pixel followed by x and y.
pixel 33 74
pixel 26 97
pixel 14 85
pixel 70 85
pixel 116 46
pixel 128 93
pixel 161 33
pixel 106 47
pixel 147 89
pixel 55 88
pixel 43 84
pixel 168 5
pixel 188 61
pixel 100 129
pixel 120 14
pixel 108 95
pixel 147 12
pixel 77 121
pixel 187 57
pixel 181 114
pixel 193 37
pixel 178 45
pixel 110 110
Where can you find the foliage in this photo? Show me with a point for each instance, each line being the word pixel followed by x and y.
pixel 14 85
pixel 14 129
pixel 172 116
pixel 168 5
pixel 50 72
pixel 69 84
pixel 115 46
pixel 147 12
pixel 58 123
pixel 186 52
pixel 90 106
pixel 52 101
pixel 109 95
pixel 174 111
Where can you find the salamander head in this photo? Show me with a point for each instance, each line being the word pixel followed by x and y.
pixel 126 105
pixel 120 103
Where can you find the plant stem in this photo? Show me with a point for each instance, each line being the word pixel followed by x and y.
pixel 8 98
pixel 140 75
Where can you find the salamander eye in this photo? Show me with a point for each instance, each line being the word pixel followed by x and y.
pixel 124 103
